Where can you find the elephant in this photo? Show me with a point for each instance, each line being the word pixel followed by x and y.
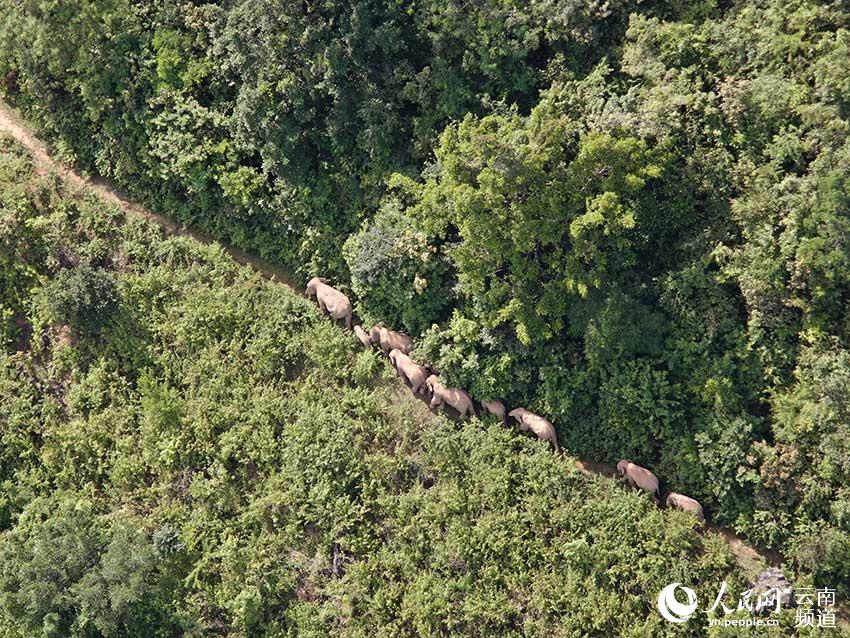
pixel 496 408
pixel 362 336
pixel 686 504
pixel 331 300
pixel 537 424
pixel 456 398
pixel 390 339
pixel 640 477
pixel 409 370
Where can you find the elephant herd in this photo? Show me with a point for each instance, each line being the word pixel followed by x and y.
pixel 642 478
pixel 397 347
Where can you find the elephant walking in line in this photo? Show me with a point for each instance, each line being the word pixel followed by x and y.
pixel 330 300
pixel 640 477
pixel 362 336
pixel 456 398
pixel 390 339
pixel 409 370
pixel 496 408
pixel 537 424
pixel 685 504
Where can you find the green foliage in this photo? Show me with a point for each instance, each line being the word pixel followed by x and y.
pixel 67 572
pixel 628 216
pixel 539 214
pixel 398 276
pixel 256 475
pixel 822 551
pixel 83 297
pixel 20 249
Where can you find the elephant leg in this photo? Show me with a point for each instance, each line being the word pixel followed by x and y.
pixel 435 402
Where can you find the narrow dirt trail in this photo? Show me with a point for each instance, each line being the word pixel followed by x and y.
pixel 13 125
pixel 749 559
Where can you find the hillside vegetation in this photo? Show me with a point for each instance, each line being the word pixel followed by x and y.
pixel 189 449
pixel 631 217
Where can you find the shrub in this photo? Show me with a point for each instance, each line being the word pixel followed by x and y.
pixel 399 277
pixel 83 297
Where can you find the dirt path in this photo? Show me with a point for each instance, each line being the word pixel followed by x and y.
pixel 14 126
pixel 749 559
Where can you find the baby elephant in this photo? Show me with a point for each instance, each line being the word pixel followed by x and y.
pixel 362 336
pixel 638 476
pixel 537 424
pixel 331 300
pixel 496 408
pixel 390 339
pixel 686 504
pixel 409 370
pixel 458 399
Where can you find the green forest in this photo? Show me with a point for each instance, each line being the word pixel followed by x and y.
pixel 632 217
pixel 191 450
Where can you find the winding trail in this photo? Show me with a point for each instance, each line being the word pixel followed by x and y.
pixel 12 124
pixel 750 559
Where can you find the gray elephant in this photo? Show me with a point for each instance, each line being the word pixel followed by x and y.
pixel 330 300
pixel 409 370
pixel 362 336
pixel 685 504
pixel 537 424
pixel 390 339
pixel 454 397
pixel 640 477
pixel 496 408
